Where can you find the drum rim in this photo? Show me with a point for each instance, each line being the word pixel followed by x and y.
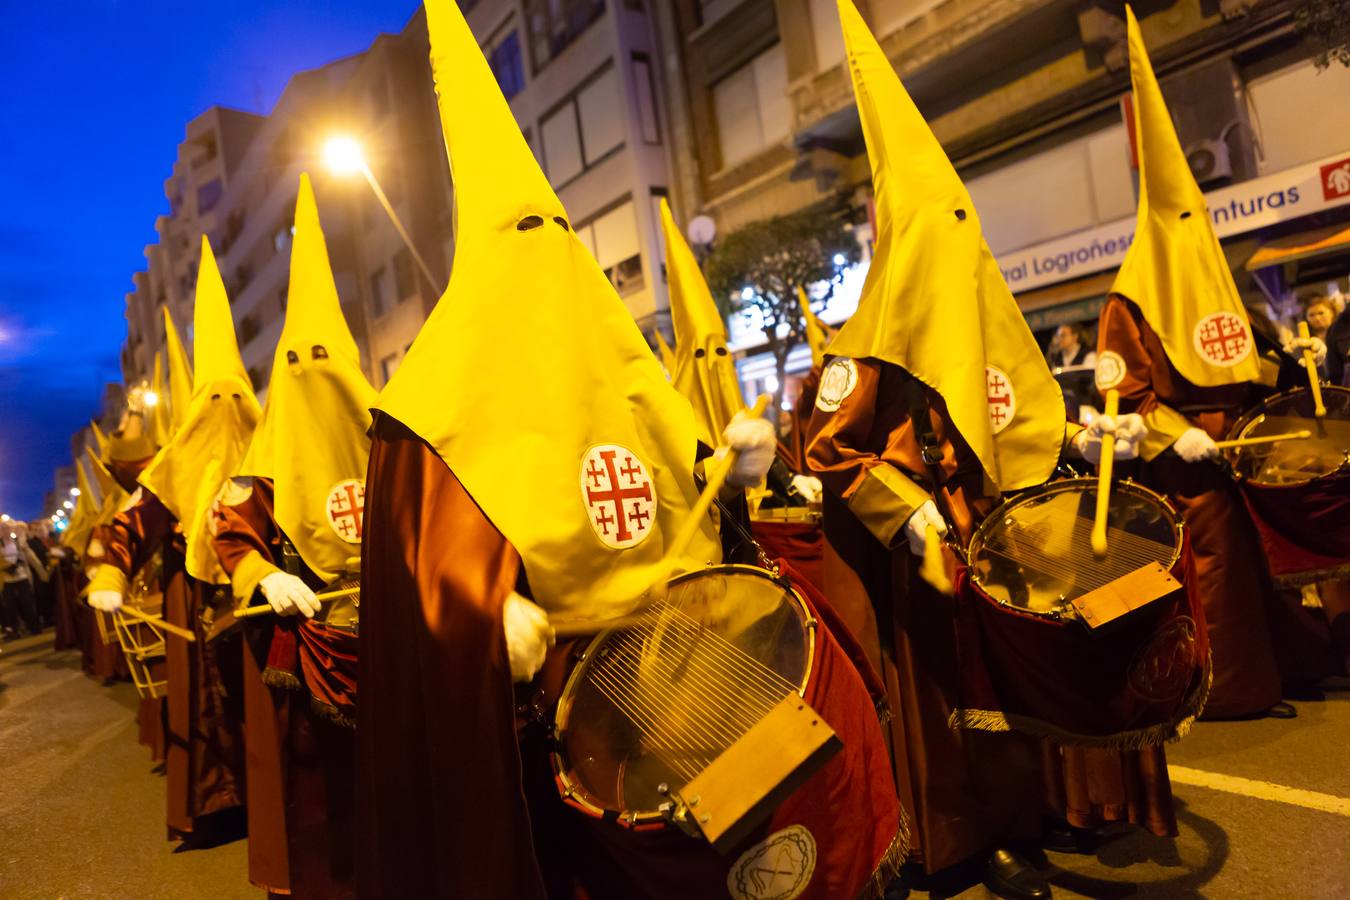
pixel 569 788
pixel 1249 416
pixel 1061 486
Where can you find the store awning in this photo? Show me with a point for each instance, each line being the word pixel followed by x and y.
pixel 1301 246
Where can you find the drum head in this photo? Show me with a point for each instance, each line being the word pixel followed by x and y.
pixel 1300 461
pixel 652 705
pixel 1034 553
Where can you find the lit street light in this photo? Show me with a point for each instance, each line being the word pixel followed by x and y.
pixel 343 156
pixel 75 492
pixel 68 505
pixel 150 398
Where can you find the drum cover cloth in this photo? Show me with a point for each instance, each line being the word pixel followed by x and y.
pixel 1304 528
pixel 1136 685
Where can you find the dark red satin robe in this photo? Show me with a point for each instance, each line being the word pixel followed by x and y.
pixel 300 765
pixel 203 755
pixel 1231 578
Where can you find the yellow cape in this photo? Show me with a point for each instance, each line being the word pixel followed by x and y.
pixel 567 435
pixel 934 302
pixel 312 440
pixel 1175 270
pixel 704 370
pixel 188 473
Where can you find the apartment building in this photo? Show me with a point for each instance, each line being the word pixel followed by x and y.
pixel 1026 95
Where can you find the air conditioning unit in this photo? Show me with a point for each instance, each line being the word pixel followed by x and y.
pixel 1209 161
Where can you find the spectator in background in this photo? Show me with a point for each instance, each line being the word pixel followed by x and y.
pixel 1070 347
pixel 1337 366
pixel 17 609
pixel 40 565
pixel 1320 313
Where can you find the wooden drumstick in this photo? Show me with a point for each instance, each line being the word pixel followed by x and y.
pixel 1104 467
pixel 263 609
pixel 158 622
pixel 1314 382
pixel 1264 439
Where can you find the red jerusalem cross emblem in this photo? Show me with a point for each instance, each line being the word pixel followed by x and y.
pixel 1222 339
pixel 1002 400
pixel 346 508
pixel 619 497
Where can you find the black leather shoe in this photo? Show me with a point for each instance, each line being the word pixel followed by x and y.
pixel 1010 876
pixel 1064 838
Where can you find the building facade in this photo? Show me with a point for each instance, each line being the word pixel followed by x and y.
pixel 1026 96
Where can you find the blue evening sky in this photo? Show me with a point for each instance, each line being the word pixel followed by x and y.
pixel 94 98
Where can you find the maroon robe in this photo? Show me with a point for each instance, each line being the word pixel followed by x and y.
pixel 300 762
pixel 1230 576
pixel 203 752
pixel 455 795
pixel 966 790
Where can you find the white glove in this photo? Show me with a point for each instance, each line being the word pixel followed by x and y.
pixel 808 486
pixel 106 601
pixel 1128 429
pixel 1315 344
pixel 1194 445
pixel 756 442
pixel 528 636
pixel 288 595
pixel 916 529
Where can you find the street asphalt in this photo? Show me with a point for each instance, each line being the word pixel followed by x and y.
pixel 1264 806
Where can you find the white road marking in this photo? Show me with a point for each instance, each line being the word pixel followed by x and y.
pixel 1261 790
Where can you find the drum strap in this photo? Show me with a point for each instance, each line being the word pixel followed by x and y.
pixel 930 447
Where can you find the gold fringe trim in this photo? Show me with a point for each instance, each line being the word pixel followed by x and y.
pixel 1138 739
pixel 1299 579
pixel 888 869
pixel 279 678
pixel 330 713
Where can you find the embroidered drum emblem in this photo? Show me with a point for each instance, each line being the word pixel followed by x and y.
pixel 836 383
pixel 1110 370
pixel 1002 400
pixel 619 497
pixel 777 868
pixel 346 509
pixel 1222 339
pixel 1163 667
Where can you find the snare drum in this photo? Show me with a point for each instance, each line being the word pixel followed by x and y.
pixel 648 708
pixel 1026 661
pixel 1298 491
pixel 143 643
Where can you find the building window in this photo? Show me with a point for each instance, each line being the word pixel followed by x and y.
pixel 586 128
pixel 827 34
pixel 388 366
pixel 379 300
pixel 645 86
pixel 612 237
pixel 248 330
pixel 208 195
pixel 503 55
pixel 403 274
pixel 554 24
pixel 753 109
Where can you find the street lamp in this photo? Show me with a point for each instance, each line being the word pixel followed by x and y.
pixel 75 492
pixel 344 157
pixel 150 398
pixel 68 505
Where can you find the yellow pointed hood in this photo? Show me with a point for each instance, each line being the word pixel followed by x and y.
pixel 704 370
pixel 571 440
pixel 188 473
pixel 817 335
pixel 1175 269
pixel 312 440
pixel 76 534
pixel 103 478
pixel 934 302
pixel 100 439
pixel 667 355
pixel 161 419
pixel 180 376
